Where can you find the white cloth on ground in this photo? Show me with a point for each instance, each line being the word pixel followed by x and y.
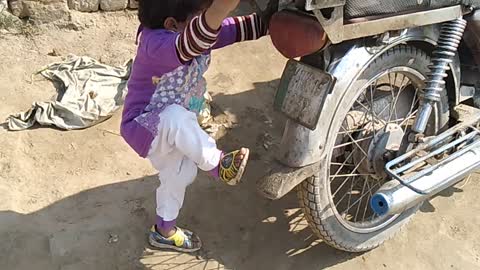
pixel 179 148
pixel 88 93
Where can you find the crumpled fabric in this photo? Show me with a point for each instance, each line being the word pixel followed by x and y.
pixel 88 93
pixel 205 114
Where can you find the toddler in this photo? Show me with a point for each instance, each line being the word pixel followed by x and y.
pixel 166 92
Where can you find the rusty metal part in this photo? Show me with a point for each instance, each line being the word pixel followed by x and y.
pixel 319 4
pixel 302 92
pixel 338 31
pixel 411 187
pixel 386 144
pixel 467 116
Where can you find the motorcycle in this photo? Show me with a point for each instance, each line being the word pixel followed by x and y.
pixel 382 103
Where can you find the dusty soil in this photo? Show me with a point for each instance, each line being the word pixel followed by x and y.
pixel 84 200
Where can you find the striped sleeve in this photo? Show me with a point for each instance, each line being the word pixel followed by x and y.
pixel 250 27
pixel 196 39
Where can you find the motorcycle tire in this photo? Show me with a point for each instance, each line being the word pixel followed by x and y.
pixel 314 193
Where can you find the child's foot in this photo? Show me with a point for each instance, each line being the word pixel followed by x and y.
pixel 182 240
pixel 232 165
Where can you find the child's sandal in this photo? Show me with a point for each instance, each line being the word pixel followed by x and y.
pixel 230 172
pixel 183 240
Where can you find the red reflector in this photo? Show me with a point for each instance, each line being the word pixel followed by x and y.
pixel 295 35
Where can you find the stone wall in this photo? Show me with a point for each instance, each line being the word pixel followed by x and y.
pixel 47 11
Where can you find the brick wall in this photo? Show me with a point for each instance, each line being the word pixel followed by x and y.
pixel 46 11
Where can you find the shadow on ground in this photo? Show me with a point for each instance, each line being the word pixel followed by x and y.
pixel 106 227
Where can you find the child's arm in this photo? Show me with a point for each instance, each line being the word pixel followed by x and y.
pixel 199 37
pixel 242 28
pixel 218 11
pixel 202 32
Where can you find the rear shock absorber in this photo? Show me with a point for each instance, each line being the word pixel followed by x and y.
pixel 450 37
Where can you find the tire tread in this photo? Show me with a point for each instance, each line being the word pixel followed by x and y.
pixel 309 192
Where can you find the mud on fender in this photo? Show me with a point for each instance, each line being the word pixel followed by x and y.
pixel 302 93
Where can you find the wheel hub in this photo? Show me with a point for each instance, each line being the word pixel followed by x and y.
pixel 382 147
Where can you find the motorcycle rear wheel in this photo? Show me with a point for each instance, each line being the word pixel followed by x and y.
pixel 336 199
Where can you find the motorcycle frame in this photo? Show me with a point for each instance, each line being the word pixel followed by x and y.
pixel 338 30
pixel 346 61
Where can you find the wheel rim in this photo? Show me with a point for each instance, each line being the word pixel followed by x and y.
pixel 377 115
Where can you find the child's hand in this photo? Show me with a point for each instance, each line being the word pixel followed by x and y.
pixel 218 11
pixel 227 5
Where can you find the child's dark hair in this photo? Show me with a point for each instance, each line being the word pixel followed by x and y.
pixel 152 13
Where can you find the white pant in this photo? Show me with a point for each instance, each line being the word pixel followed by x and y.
pixel 179 148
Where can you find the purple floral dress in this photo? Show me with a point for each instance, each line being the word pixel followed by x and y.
pixel 184 86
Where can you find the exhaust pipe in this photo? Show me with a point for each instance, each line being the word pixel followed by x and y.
pixel 394 198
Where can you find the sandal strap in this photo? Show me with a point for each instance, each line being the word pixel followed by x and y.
pixel 228 168
pixel 181 239
pixel 178 238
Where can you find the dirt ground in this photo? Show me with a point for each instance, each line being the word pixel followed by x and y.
pixel 84 200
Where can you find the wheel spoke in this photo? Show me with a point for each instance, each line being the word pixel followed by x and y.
pixel 394 80
pixel 372 87
pixel 345 162
pixel 354 131
pixel 369 197
pixel 365 118
pixel 371 106
pixel 360 198
pixel 345 181
pixel 360 204
pixel 412 115
pixel 374 116
pixel 356 143
pixel 347 175
pixel 392 93
pixel 390 80
pixel 400 90
pixel 404 85
pixel 344 196
pixel 383 100
pixel 342 164
pixel 350 143
pixel 383 110
pixel 349 195
pixel 414 101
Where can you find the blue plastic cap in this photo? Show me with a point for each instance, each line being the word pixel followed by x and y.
pixel 379 204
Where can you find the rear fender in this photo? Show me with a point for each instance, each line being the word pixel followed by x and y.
pixel 301 146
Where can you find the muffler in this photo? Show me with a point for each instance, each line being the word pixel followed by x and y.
pixel 418 174
pixel 394 197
